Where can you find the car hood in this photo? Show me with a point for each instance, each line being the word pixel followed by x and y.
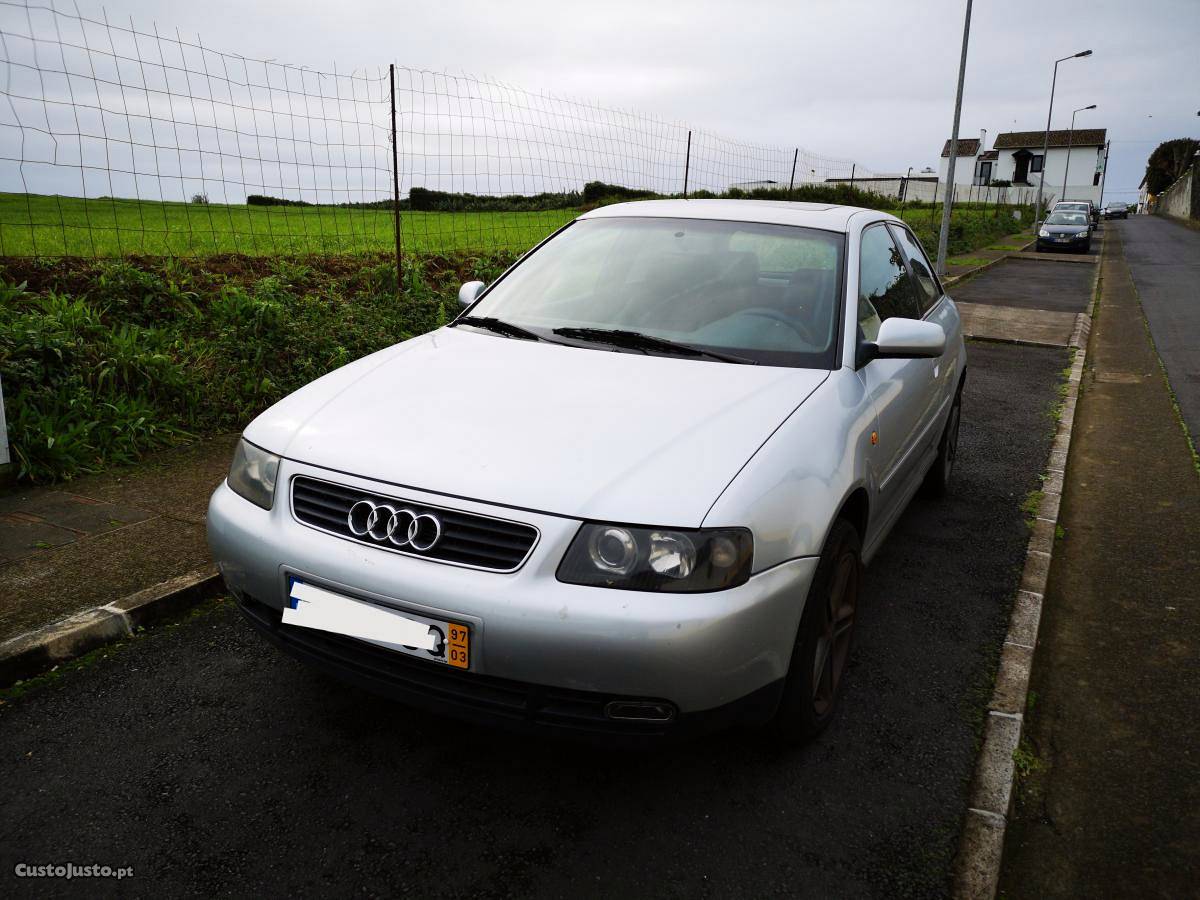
pixel 1066 229
pixel 587 433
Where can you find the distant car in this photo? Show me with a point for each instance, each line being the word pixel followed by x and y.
pixel 1116 211
pixel 1065 230
pixel 1083 206
pixel 628 491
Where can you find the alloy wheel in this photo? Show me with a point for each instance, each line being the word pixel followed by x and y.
pixel 837 629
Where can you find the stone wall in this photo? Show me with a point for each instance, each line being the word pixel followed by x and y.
pixel 1182 199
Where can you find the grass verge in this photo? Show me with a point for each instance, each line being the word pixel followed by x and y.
pixel 105 361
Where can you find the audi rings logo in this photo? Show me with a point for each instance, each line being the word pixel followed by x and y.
pixel 399 527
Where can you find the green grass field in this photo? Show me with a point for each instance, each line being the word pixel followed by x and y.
pixel 70 226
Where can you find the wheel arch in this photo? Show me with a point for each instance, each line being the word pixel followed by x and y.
pixel 856 509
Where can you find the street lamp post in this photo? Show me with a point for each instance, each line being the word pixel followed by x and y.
pixel 1070 140
pixel 1037 209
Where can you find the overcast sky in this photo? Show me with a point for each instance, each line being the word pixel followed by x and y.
pixel 869 80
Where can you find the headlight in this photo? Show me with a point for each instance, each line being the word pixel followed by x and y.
pixel 252 474
pixel 658 559
pixel 1043 233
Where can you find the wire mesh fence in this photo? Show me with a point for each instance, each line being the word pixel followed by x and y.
pixel 119 140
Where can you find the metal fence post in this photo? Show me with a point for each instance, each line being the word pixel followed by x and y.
pixel 395 179
pixel 853 166
pixel 792 182
pixel 687 164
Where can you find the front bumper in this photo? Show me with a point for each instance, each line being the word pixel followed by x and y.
pixel 700 652
pixel 1074 243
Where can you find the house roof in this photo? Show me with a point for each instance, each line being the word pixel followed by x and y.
pixel 990 154
pixel 966 147
pixel 1082 137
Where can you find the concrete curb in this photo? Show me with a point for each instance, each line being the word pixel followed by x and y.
pixel 43 648
pixel 981 844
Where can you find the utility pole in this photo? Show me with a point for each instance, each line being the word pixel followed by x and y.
pixel 1104 172
pixel 947 204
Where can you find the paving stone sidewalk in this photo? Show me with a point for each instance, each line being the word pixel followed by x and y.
pixel 94 540
pixel 1110 802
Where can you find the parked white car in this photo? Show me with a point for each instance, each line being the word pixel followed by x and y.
pixel 629 491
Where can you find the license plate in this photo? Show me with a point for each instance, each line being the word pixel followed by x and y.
pixel 1064 240
pixel 436 640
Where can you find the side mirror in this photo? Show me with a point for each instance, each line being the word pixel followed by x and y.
pixel 904 339
pixel 469 292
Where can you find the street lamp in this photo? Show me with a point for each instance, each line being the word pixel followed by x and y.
pixel 1037 210
pixel 1070 139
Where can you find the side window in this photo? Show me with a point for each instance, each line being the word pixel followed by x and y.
pixel 927 286
pixel 884 288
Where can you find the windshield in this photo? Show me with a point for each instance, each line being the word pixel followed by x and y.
pixel 1067 218
pixel 1071 206
pixel 766 293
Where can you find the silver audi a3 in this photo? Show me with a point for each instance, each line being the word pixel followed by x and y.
pixel 629 492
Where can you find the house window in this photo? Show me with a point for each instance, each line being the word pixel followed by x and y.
pixel 1035 162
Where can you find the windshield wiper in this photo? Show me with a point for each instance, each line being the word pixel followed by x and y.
pixel 499 326
pixel 635 340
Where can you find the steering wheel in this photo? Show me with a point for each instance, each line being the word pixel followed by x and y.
pixel 765 312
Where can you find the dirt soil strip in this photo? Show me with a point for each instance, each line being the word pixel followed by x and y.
pixel 981 847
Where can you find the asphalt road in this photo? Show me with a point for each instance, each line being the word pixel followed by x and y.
pixel 215 766
pixel 1164 260
pixel 1056 285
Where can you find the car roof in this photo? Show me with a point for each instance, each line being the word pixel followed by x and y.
pixel 1073 203
pixel 826 216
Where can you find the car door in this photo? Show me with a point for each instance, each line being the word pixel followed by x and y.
pixel 899 388
pixel 944 377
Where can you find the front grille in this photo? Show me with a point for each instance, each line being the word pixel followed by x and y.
pixel 466 539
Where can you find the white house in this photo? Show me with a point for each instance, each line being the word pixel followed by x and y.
pixel 964 166
pixel 1016 156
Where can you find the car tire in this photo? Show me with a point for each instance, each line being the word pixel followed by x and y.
pixel 937 479
pixel 821 652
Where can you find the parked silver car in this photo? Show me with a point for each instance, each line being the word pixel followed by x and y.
pixel 629 491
